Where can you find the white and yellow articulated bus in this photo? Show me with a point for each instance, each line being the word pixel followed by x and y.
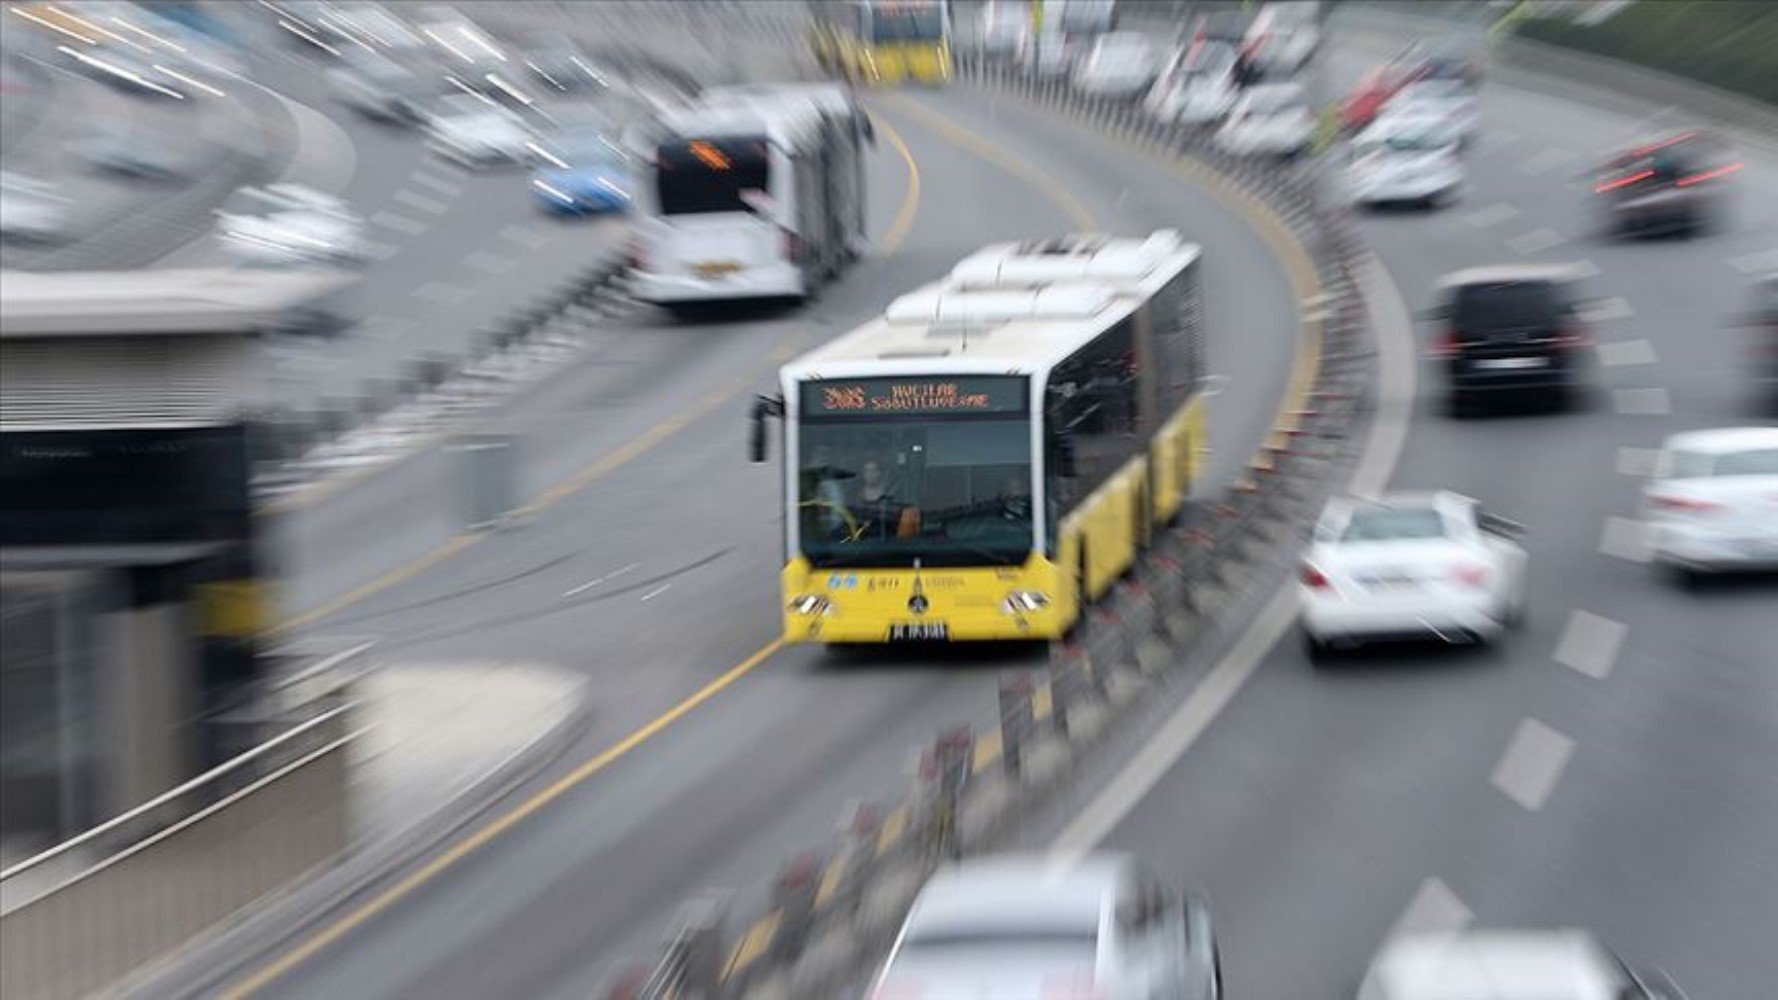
pixel 989 456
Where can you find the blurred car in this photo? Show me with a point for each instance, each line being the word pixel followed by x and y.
pixel 1671 185
pixel 1197 86
pixel 1282 38
pixel 379 88
pixel 1713 505
pixel 126 69
pixel 124 147
pixel 1762 345
pixel 1511 329
pixel 1119 65
pixel 1048 55
pixel 290 224
pixel 1271 119
pixel 1507 965
pixel 562 66
pixel 1444 59
pixel 1405 159
pixel 1410 566
pixel 1025 926
pixel 32 210
pixel 1001 31
pixel 582 173
pixel 1451 101
pixel 475 132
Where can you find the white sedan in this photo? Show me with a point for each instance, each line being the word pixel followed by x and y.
pixel 1197 87
pixel 1450 101
pixel 1532 964
pixel 290 224
pixel 1272 119
pixel 1713 505
pixel 1119 65
pixel 1410 566
pixel 1405 159
pixel 474 131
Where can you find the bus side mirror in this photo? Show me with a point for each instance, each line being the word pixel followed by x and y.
pixel 763 407
pixel 870 130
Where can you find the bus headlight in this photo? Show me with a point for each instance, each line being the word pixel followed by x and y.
pixel 810 605
pixel 1022 602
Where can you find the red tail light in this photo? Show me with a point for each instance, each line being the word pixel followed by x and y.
pixel 1446 345
pixel 1682 505
pixel 1470 576
pixel 1573 336
pixel 1708 175
pixel 1314 579
pixel 1625 181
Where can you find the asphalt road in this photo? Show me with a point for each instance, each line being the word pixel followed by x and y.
pixel 1610 764
pixel 650 565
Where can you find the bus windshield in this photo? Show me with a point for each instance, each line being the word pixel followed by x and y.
pixel 935 479
pixel 700 176
pixel 906 23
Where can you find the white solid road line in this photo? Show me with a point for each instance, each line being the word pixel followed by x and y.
pixel 1435 909
pixel 414 199
pixel 1625 538
pixel 1637 462
pixel 1617 353
pixel 1382 450
pixel 400 223
pixel 1532 764
pixel 1536 241
pixel 1642 402
pixel 1492 215
pixel 590 584
pixel 1590 643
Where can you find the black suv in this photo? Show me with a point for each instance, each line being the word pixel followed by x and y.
pixel 1671 185
pixel 1511 330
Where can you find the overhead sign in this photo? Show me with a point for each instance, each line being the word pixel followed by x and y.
pixel 869 397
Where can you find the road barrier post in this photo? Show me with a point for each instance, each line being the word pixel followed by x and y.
pixel 1016 719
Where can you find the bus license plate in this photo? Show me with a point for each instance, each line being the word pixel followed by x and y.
pixel 919 632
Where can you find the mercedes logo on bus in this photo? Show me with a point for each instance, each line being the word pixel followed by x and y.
pixel 918 604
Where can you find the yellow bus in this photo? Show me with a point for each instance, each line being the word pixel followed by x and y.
pixel 883 41
pixel 989 456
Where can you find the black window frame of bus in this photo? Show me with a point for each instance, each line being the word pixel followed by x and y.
pixel 751 156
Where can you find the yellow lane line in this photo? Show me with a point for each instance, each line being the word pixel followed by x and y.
pixel 390 896
pixel 910 205
pixel 1045 184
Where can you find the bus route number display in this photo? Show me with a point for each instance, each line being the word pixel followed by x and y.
pixel 868 397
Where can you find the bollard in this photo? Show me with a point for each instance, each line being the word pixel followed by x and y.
pixel 1016 719
pixel 793 894
pixel 945 778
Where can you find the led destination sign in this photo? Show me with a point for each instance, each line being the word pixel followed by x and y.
pixel 867 397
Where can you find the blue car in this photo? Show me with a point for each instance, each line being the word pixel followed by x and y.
pixel 585 176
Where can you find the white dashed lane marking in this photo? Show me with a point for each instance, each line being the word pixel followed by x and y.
pixel 438 291
pixel 489 263
pixel 1638 462
pixel 449 189
pixel 1547 160
pixel 1759 262
pixel 656 592
pixel 1584 269
pixel 1493 215
pixel 1625 538
pixel 1532 764
pixel 1606 310
pixel 1654 402
pixel 413 199
pixel 1616 353
pixel 1590 644
pixel 1434 909
pixel 400 223
pixel 590 584
pixel 524 236
pixel 1536 240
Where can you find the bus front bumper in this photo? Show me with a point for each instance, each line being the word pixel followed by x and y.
pixel 773 281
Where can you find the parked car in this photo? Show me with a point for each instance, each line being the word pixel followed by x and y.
pixel 1119 65
pixel 1675 184
pixel 475 132
pixel 1410 566
pixel 290 224
pixel 1002 28
pixel 1452 102
pixel 562 66
pixel 380 88
pixel 32 210
pixel 1713 504
pixel 1024 926
pixel 1508 965
pixel 1197 86
pixel 1514 329
pixel 1048 55
pixel 1405 159
pixel 1271 119
pixel 1282 38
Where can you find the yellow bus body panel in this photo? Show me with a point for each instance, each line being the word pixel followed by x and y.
pixel 968 601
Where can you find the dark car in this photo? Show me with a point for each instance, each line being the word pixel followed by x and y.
pixel 1511 331
pixel 1670 185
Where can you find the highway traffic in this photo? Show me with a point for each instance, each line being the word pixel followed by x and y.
pixel 1580 737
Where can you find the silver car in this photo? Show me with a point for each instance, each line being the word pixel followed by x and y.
pixel 1014 927
pixel 1561 964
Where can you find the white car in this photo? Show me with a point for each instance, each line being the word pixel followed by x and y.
pixel 1000 33
pixel 1283 37
pixel 1120 65
pixel 1272 119
pixel 31 210
pixel 1402 159
pixel 1557 964
pixel 1450 101
pixel 1410 566
pixel 476 132
pixel 1015 927
pixel 290 224
pixel 1713 504
pixel 1197 87
pixel 1047 55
